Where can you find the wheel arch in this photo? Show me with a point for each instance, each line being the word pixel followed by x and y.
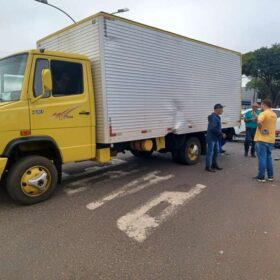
pixel 176 141
pixel 38 145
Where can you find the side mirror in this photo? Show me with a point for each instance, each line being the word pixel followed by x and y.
pixel 46 81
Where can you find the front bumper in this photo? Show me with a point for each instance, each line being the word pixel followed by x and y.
pixel 3 163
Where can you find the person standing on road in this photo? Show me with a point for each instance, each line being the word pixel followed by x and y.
pixel 265 138
pixel 214 136
pixel 250 119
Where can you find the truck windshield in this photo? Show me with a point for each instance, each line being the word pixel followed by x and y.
pixel 11 77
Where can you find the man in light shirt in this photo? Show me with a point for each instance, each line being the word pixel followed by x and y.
pixel 265 138
pixel 250 119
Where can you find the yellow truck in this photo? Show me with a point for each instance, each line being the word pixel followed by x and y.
pixel 107 85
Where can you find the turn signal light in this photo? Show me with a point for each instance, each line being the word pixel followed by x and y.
pixel 25 132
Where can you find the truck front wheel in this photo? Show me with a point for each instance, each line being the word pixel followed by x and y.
pixel 31 180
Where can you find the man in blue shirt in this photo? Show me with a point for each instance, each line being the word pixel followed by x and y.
pixel 213 137
pixel 250 119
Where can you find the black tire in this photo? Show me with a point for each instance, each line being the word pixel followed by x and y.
pixel 190 151
pixel 32 166
pixel 141 154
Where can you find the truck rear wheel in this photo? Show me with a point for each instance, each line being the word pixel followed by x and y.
pixel 190 152
pixel 31 180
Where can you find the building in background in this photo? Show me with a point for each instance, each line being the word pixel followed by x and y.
pixel 248 97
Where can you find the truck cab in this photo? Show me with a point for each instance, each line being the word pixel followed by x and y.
pixel 47 117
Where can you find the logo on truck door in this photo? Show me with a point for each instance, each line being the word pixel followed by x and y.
pixel 65 114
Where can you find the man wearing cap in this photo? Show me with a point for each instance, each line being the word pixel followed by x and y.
pixel 250 119
pixel 214 135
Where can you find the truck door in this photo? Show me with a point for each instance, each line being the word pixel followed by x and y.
pixel 65 113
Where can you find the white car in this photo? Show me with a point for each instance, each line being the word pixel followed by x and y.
pixel 240 131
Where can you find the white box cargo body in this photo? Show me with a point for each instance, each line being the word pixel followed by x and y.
pixel 149 82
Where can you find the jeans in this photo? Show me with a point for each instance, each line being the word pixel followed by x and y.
pixel 249 140
pixel 222 142
pixel 212 153
pixel 264 151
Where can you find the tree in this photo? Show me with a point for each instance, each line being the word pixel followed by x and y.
pixel 260 86
pixel 263 67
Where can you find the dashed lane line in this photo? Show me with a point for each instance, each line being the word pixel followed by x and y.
pixel 82 185
pixel 93 169
pixel 135 186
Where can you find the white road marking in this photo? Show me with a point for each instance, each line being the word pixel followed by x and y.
pixel 139 184
pixel 111 175
pixel 81 185
pixel 93 169
pixel 114 162
pixel 117 161
pixel 65 175
pixel 139 225
pixel 74 191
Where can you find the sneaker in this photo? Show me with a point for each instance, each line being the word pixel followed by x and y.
pixel 245 154
pixel 253 155
pixel 270 179
pixel 259 179
pixel 209 169
pixel 216 167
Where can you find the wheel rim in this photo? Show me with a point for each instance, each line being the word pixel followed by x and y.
pixel 35 181
pixel 193 152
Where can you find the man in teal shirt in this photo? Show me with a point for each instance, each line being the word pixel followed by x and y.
pixel 250 119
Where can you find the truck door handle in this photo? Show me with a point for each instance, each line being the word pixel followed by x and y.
pixel 84 113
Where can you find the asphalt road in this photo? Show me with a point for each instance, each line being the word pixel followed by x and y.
pixel 148 219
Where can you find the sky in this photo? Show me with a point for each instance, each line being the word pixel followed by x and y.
pixel 235 24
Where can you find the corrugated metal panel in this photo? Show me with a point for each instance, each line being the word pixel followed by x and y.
pixel 156 81
pixel 149 82
pixel 84 39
